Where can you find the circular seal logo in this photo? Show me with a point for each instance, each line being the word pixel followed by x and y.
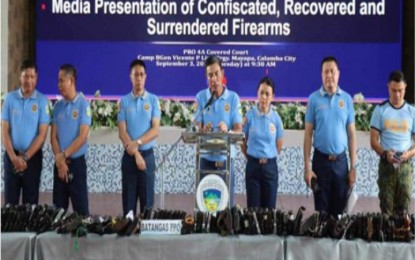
pixel 341 103
pixel 271 127
pixel 34 108
pixel 227 107
pixel 212 194
pixel 75 114
pixel 146 107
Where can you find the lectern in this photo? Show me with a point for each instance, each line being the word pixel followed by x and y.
pixel 212 191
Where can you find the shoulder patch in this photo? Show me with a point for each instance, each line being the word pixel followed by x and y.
pixel 88 111
pixel 118 106
pixel 47 109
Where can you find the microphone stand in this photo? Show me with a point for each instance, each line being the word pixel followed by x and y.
pixel 173 147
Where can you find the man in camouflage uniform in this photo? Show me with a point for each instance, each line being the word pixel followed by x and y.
pixel 391 133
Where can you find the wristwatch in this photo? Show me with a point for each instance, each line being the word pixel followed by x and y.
pixel 25 157
pixel 139 142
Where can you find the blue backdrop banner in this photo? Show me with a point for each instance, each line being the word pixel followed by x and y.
pixel 284 39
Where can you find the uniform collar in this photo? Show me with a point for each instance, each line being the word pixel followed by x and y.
pixel 33 96
pixel 397 108
pixel 260 114
pixel 323 92
pixel 224 95
pixel 144 96
pixel 73 100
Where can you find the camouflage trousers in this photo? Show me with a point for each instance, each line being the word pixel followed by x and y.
pixel 395 187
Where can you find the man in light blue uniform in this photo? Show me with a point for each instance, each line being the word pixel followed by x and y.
pixel 263 134
pixel 25 121
pixel 138 125
pixel 330 116
pixel 221 115
pixel 70 129
pixel 391 135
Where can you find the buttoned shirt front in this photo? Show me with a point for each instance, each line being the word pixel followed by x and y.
pixel 330 116
pixel 24 116
pixel 137 113
pixel 262 131
pixel 68 116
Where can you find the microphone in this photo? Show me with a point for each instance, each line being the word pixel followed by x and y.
pixel 209 101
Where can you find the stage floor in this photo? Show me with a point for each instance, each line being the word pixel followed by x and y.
pixel 110 203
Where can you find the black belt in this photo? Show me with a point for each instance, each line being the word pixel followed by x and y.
pixel 146 152
pixel 17 152
pixel 330 157
pixel 69 160
pixel 143 152
pixel 261 160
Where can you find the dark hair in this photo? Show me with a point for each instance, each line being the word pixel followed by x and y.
pixel 28 64
pixel 137 62
pixel 69 69
pixel 269 82
pixel 329 59
pixel 212 60
pixel 397 76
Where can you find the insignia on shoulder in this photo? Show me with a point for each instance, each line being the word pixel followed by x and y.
pixel 47 110
pixel 118 106
pixel 88 111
